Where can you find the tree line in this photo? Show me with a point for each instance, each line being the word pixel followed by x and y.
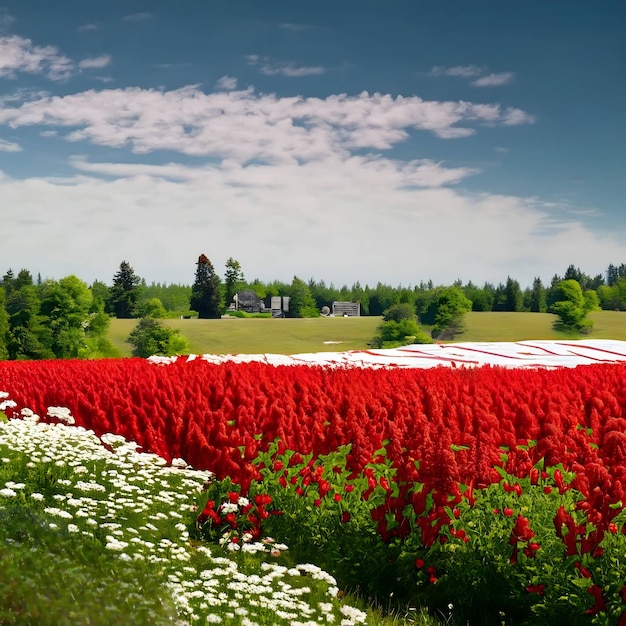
pixel 66 318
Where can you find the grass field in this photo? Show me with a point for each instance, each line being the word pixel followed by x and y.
pixel 331 334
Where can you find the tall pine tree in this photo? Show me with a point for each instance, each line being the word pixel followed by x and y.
pixel 125 293
pixel 206 292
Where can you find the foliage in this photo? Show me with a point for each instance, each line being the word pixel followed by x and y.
pixel 392 334
pixel 150 337
pixel 125 293
pixel 398 312
pixel 28 336
pixel 301 303
pixel 572 306
pixel 206 293
pixel 174 297
pixel 444 310
pixel 4 326
pixel 94 532
pixel 152 308
pixel 233 279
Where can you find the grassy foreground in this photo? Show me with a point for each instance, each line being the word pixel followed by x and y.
pixel 292 336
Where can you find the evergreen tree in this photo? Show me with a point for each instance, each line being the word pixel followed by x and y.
pixel 206 293
pixel 125 293
pixel 611 275
pixel 513 296
pixel 538 297
pixel 301 303
pixel 8 281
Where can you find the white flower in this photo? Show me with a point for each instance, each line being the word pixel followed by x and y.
pixel 62 413
pixel 7 493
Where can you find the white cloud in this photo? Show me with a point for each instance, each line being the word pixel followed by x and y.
pixel 226 83
pixel 8 146
pixel 493 80
pixel 244 125
pixel 18 54
pixel 137 17
pixel 289 69
pixel 286 219
pixel 473 71
pixel 87 27
pixel 462 71
pixel 95 62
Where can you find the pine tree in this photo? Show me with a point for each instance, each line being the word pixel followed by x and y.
pixel 538 297
pixel 125 293
pixel 206 292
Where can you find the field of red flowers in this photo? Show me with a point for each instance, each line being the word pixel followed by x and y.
pixel 449 435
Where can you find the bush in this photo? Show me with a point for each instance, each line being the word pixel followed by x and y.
pixel 151 337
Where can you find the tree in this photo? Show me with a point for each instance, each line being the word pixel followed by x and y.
pixel 513 296
pixel 392 334
pixel 125 293
pixel 28 337
pixel 398 312
pixel 233 279
pixel 572 307
pixel 206 293
pixel 4 327
pixel 152 308
pixel 151 337
pixel 301 303
pixel 538 297
pixel 399 327
pixel 445 312
pixel 65 307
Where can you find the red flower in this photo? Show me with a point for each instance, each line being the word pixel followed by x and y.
pixel 349 488
pixel 599 604
pixel 337 497
pixel 521 531
pixel 508 512
pixel 317 502
pixel 419 563
pixel 233 497
pixel 278 465
pixel 345 517
pixel 538 589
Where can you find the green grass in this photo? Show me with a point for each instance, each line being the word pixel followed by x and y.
pixel 258 336
pixel 293 336
pixel 519 326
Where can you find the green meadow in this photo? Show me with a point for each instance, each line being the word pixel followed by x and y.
pixel 331 334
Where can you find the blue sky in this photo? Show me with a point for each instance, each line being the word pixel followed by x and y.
pixel 340 140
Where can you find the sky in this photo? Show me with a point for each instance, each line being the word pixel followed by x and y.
pixel 338 140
